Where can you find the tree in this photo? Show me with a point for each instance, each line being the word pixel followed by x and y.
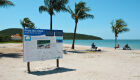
pixel 118 27
pixel 5 3
pixel 51 6
pixel 79 14
pixel 26 22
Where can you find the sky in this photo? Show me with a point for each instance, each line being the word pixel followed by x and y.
pixel 104 12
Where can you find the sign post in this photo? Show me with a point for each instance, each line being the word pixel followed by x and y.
pixel 42 44
pixel 57 60
pixel 28 67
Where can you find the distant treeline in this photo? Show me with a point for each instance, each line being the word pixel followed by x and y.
pixel 5 35
pixel 69 36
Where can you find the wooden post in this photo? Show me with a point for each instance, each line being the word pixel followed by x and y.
pixel 57 62
pixel 28 67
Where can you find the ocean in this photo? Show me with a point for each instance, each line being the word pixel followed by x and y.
pixel 134 44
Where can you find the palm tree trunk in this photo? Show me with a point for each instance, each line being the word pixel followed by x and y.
pixel 50 22
pixel 74 34
pixel 115 41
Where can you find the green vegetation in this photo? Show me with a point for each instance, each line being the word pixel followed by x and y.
pixel 69 36
pixel 79 14
pixel 10 42
pixel 51 6
pixel 11 31
pixel 5 35
pixel 27 23
pixel 5 38
pixel 118 27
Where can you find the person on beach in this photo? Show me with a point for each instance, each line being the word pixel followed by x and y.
pixel 126 47
pixel 117 46
pixel 93 46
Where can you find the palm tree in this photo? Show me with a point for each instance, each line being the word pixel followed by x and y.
pixel 5 3
pixel 79 14
pixel 118 27
pixel 51 6
pixel 26 22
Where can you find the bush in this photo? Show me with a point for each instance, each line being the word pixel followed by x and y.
pixel 5 38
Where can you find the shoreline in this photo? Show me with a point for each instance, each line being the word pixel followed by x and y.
pixel 100 47
pixel 134 44
pixel 87 47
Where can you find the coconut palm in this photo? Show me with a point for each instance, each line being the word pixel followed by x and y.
pixel 118 27
pixel 5 3
pixel 26 22
pixel 79 14
pixel 51 6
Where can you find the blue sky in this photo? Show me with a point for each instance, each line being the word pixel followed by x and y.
pixel 103 10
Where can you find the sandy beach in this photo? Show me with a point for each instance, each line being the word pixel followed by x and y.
pixel 78 64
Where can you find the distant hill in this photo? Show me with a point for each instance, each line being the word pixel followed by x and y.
pixel 81 37
pixel 11 31
pixel 67 36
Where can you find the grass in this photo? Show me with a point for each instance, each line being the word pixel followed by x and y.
pixel 9 42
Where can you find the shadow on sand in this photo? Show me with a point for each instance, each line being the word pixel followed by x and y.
pixel 11 55
pixel 77 51
pixel 54 71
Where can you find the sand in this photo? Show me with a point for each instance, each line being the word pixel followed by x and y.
pixel 78 64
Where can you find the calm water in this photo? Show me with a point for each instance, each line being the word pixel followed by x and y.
pixel 134 44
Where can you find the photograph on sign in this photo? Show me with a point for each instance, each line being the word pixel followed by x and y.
pixel 43 44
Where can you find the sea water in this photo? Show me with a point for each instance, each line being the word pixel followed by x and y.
pixel 134 44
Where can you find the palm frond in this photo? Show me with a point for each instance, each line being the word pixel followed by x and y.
pixel 119 26
pixel 79 6
pixel 64 1
pixel 59 8
pixel 22 23
pixel 85 16
pixel 81 11
pixel 71 12
pixel 112 23
pixel 113 29
pixel 59 5
pixel 27 23
pixel 43 8
pixel 124 30
pixel 47 2
pixel 86 9
pixel 122 25
pixel 5 3
pixel 51 5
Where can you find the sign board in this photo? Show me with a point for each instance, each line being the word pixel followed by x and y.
pixel 42 44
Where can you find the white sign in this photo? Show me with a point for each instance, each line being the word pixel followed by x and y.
pixel 41 44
